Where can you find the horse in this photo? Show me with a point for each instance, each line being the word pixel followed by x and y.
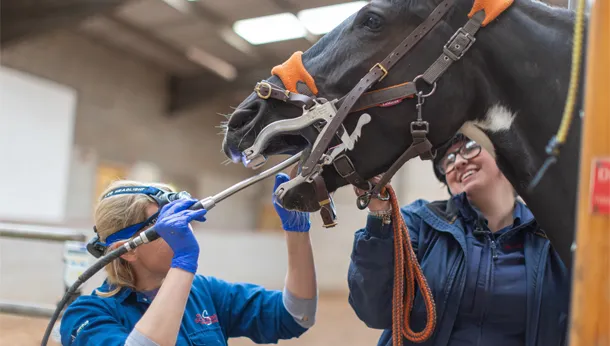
pixel 505 90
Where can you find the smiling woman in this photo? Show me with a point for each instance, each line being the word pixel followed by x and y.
pixel 482 253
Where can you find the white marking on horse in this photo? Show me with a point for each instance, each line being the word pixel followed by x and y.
pixel 498 118
pixel 351 140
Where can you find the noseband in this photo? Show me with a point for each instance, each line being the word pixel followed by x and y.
pixel 329 115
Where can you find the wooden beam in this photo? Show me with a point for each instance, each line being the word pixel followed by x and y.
pixel 590 303
pixel 22 19
pixel 172 49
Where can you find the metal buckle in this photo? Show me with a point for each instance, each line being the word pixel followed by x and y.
pixel 349 162
pixel 421 125
pixel 257 89
pixel 383 69
pixel 461 50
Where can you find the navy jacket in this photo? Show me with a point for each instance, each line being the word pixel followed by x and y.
pixel 441 238
pixel 215 311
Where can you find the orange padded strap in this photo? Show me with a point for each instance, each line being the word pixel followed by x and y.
pixel 493 8
pixel 293 71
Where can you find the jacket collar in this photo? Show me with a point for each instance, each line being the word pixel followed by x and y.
pixel 443 216
pixel 123 294
pixel 470 213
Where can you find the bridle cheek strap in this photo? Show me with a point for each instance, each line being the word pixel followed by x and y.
pixel 327 207
pixel 420 146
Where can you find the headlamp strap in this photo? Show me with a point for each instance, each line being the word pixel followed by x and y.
pixel 147 190
pixel 129 231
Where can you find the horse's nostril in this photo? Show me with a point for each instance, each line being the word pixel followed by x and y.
pixel 241 118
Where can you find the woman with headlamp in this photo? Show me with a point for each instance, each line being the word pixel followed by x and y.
pixel 154 296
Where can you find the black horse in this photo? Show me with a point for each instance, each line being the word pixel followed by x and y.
pixel 509 87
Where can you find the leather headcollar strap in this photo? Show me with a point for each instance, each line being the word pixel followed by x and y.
pixel 327 208
pixel 266 90
pixel 378 97
pixel 374 98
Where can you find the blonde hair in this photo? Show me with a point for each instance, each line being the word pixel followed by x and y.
pixel 111 215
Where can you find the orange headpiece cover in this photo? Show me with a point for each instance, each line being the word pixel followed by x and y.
pixel 493 8
pixel 293 71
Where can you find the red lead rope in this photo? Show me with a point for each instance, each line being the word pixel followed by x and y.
pixel 402 301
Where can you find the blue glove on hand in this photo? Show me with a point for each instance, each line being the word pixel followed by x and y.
pixel 294 221
pixel 173 226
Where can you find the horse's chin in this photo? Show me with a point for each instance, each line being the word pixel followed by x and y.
pixel 301 198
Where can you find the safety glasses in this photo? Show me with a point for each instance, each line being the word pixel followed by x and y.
pixel 467 151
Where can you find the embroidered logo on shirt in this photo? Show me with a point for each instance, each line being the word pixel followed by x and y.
pixel 73 336
pixel 204 318
pixel 513 246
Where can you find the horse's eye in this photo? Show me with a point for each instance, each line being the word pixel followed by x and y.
pixel 372 22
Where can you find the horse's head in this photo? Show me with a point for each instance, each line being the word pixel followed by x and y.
pixel 336 63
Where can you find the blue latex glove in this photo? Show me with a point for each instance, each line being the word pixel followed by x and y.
pixel 173 226
pixel 294 221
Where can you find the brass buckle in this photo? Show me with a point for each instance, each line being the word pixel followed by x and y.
pixel 385 72
pixel 257 89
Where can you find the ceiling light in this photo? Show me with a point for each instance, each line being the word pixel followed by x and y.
pixel 321 20
pixel 273 28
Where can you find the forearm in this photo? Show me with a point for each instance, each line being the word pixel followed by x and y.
pixel 161 322
pixel 301 275
pixel 300 291
pixel 371 275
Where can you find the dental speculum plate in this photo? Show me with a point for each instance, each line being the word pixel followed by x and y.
pixel 320 112
pixel 252 157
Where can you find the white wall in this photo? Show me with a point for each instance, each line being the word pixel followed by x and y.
pixel 36 131
pixel 121 118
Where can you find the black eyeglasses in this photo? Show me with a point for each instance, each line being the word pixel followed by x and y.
pixel 468 150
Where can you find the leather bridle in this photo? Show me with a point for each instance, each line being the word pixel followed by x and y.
pixel 360 98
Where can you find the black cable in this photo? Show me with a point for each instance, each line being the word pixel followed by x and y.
pixel 146 237
pixel 151 235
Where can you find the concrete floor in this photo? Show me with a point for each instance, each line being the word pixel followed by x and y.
pixel 336 325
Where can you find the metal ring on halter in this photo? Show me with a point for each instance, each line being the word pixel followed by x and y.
pixel 382 197
pixel 257 89
pixel 363 201
pixel 433 85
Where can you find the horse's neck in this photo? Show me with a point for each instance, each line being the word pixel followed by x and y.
pixel 526 57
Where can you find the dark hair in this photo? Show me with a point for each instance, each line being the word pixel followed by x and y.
pixel 442 151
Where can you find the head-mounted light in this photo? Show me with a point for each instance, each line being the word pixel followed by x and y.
pixel 97 248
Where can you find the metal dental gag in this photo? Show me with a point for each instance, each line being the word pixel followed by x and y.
pixel 320 115
pixel 150 235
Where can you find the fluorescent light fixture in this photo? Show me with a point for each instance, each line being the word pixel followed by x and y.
pixel 273 28
pixel 321 20
pixel 179 6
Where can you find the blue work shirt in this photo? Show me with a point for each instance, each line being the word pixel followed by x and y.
pixel 494 304
pixel 478 299
pixel 215 311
